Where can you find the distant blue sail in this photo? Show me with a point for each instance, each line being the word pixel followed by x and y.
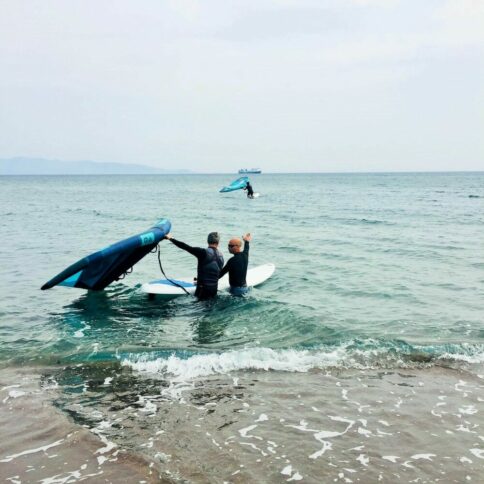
pixel 236 185
pixel 98 270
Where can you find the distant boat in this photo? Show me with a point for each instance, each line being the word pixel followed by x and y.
pixel 244 171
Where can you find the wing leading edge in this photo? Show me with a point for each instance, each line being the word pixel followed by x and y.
pixel 98 270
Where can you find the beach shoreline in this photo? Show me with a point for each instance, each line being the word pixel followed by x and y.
pixel 252 426
pixel 39 443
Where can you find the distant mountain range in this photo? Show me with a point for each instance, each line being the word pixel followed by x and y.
pixel 40 166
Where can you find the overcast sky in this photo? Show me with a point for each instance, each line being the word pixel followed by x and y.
pixel 289 85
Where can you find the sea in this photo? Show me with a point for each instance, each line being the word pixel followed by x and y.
pixel 360 360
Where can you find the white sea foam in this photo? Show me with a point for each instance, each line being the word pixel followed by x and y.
pixel 71 476
pixel 254 358
pixel 319 453
pixel 363 459
pixel 202 365
pixel 262 418
pixel 9 458
pixel 423 456
pixel 101 460
pixel 287 471
pixel 468 410
pixel 478 453
pixel 9 386
pixel 181 372
pixel 470 354
pixel 14 394
pixel 244 432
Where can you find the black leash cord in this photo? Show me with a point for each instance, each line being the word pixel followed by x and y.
pixel 158 250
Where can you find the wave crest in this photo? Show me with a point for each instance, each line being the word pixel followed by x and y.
pixel 184 368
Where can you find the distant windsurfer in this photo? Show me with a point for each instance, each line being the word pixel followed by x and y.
pixel 237 265
pixel 250 190
pixel 210 263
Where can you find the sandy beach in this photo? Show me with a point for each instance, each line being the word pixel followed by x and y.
pixel 41 444
pixel 337 426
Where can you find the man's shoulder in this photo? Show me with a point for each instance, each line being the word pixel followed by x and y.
pixel 211 252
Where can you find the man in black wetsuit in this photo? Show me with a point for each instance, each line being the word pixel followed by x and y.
pixel 250 190
pixel 237 265
pixel 210 263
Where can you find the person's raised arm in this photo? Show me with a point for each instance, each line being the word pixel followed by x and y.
pixel 196 251
pixel 247 238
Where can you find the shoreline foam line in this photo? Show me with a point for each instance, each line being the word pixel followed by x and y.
pixel 179 369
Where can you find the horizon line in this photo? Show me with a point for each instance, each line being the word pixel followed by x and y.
pixel 189 173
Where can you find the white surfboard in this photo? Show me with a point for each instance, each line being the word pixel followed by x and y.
pixel 255 195
pixel 255 276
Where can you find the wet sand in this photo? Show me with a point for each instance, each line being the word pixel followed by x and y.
pixel 40 444
pixel 340 426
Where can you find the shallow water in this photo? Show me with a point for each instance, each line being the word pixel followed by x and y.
pixel 373 272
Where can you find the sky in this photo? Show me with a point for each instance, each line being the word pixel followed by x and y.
pixel 214 86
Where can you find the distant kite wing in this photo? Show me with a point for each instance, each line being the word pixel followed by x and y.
pixel 98 270
pixel 236 185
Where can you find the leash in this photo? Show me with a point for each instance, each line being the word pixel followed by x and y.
pixel 158 250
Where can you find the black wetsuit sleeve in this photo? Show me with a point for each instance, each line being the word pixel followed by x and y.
pixel 225 269
pixel 198 252
pixel 246 247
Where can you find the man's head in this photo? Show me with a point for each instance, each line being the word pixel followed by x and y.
pixel 235 245
pixel 213 238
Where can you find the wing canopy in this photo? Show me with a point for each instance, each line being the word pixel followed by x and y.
pixel 98 270
pixel 236 185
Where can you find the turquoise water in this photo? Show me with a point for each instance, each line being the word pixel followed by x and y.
pixel 372 327
pixel 372 269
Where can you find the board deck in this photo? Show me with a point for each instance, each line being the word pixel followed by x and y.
pixel 165 287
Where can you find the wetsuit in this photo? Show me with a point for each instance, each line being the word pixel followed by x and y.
pixel 237 268
pixel 250 190
pixel 210 263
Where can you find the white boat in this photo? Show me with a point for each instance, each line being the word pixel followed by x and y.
pixel 243 171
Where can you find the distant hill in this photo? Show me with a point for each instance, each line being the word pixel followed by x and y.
pixel 40 166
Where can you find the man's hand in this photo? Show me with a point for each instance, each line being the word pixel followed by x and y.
pixel 247 237
pixel 168 236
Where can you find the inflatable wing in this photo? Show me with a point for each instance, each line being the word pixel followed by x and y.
pixel 236 185
pixel 99 269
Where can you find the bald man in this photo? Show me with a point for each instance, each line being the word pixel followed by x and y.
pixel 237 265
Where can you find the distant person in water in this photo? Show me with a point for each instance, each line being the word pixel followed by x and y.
pixel 250 190
pixel 237 265
pixel 210 263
